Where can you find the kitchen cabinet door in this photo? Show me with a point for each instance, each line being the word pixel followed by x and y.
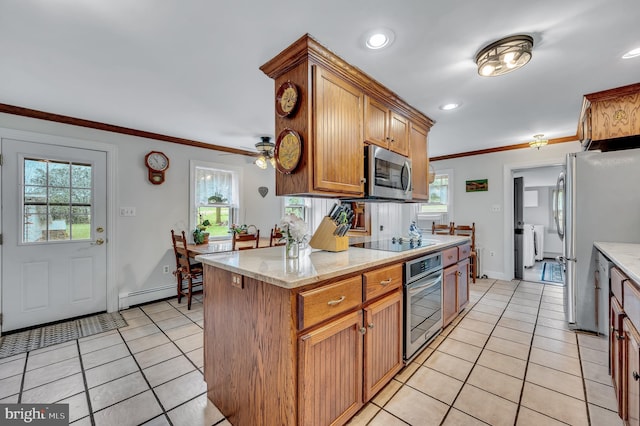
pixel 631 388
pixel 616 315
pixel 399 134
pixel 338 151
pixel 463 284
pixel 419 162
pixel 382 342
pixel 376 122
pixel 449 296
pixel 330 372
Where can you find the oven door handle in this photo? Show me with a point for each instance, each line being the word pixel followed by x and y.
pixel 413 289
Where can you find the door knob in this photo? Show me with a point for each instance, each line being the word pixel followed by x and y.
pixel 99 229
pixel 99 242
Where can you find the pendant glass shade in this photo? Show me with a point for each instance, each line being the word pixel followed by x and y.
pixel 538 141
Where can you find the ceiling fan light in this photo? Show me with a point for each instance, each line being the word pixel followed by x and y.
pixel 504 55
pixel 261 162
pixel 538 141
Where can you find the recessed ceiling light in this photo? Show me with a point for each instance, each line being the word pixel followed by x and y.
pixel 379 38
pixel 448 107
pixel 632 54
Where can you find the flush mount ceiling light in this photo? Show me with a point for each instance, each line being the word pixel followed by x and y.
pixel 538 141
pixel 449 107
pixel 632 54
pixel 379 38
pixel 504 55
pixel 265 147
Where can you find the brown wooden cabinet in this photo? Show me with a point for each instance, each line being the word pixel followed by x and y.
pixel 616 316
pixel 419 162
pixel 631 379
pixel 449 294
pixel 463 284
pixel 331 116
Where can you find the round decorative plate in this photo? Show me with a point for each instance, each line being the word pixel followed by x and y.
pixel 288 151
pixel 286 99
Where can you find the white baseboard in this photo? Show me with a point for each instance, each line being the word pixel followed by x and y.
pixel 495 275
pixel 144 296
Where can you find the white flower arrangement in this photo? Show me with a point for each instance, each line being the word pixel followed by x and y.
pixel 293 229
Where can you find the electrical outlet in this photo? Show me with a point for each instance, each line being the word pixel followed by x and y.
pixel 492 253
pixel 496 208
pixel 127 211
pixel 165 269
pixel 381 227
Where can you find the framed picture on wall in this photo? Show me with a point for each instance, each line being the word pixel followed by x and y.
pixel 477 185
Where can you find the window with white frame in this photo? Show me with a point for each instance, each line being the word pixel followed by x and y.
pixel 439 209
pixel 297 206
pixel 214 195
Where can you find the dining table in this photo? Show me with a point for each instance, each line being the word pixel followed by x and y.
pixel 218 246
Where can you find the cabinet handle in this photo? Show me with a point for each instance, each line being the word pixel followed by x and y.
pixel 335 302
pixel 393 140
pixel 387 138
pixel 362 330
pixel 363 180
pixel 459 273
pixel 386 282
pixel 636 376
pixel 620 336
pixel 371 325
pixel 612 329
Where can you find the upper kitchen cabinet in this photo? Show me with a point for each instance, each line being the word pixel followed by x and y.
pixel 420 162
pixel 610 120
pixel 337 109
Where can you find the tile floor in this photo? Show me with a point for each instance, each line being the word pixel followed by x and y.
pixel 508 359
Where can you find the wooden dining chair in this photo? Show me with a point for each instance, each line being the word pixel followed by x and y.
pixel 469 231
pixel 244 239
pixel 189 277
pixel 276 237
pixel 442 229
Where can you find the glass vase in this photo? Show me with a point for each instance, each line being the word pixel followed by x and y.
pixel 292 250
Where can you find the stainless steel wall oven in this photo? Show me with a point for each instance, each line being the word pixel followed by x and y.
pixel 422 302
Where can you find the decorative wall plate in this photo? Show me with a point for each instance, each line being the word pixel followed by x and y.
pixel 288 151
pixel 286 99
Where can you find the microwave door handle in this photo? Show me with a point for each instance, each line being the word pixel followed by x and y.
pixel 408 166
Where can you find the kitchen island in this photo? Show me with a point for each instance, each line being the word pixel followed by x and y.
pixel 307 340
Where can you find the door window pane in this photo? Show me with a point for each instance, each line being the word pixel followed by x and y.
pixel 57 201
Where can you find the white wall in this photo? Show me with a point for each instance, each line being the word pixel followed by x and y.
pixel 143 243
pixel 492 211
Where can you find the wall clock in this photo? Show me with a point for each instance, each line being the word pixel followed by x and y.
pixel 286 99
pixel 157 163
pixel 288 151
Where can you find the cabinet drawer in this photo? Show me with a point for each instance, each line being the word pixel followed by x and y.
pixel 449 256
pixel 319 304
pixel 464 251
pixel 381 281
pixel 631 296
pixel 617 278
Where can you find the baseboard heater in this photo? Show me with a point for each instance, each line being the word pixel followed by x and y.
pixel 133 298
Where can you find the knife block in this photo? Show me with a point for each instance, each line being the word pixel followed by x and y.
pixel 324 239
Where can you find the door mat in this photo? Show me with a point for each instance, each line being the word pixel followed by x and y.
pixel 36 338
pixel 552 272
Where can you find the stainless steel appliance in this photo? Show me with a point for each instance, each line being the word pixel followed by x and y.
pixel 422 302
pixel 388 174
pixel 600 202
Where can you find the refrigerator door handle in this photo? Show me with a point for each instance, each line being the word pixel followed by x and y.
pixel 556 203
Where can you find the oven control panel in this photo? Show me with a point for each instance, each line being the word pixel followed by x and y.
pixel 418 268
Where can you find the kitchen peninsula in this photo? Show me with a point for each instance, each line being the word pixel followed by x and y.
pixel 308 340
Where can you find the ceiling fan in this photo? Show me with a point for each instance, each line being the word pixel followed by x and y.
pixel 265 149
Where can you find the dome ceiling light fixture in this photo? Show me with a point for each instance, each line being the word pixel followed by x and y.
pixel 504 56
pixel 265 147
pixel 538 141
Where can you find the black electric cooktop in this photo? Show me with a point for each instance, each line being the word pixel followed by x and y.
pixel 396 244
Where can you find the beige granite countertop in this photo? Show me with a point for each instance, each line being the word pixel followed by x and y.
pixel 269 264
pixel 625 256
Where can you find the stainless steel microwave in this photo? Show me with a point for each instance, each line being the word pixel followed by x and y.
pixel 388 174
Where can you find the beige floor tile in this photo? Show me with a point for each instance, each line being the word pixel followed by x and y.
pixel 556 361
pixel 468 352
pixel 507 347
pixel 160 420
pixel 553 300
pixel 387 393
pixel 433 344
pixel 10 386
pixel 117 390
pixel 147 342
pixel 601 416
pixel 523 326
pixel 556 346
pixel 503 363
pixel 458 418
pixel 449 365
pixel 190 343
pixel 558 381
pixel 383 418
pixel 165 315
pixel 197 357
pixel 554 333
pixel 497 296
pixel 156 307
pixel 592 355
pixel 168 370
pixel 137 332
pixel 195 315
pixel 552 307
pixel 91 345
pixel 516 300
pixel 520 316
pixel 407 371
pixel 487 309
pixel 103 356
pixel 486 406
pixel 364 416
pixel 596 372
pixel 553 323
pixel 110 371
pixel 132 411
pixel 601 395
pixel 477 326
pixel 51 373
pixel 435 384
pixel 198 411
pixel 156 355
pixel 527 417
pixel 481 316
pixel 131 313
pixel 598 343
pixel 55 391
pixel 529 310
pixel 12 368
pixel 468 336
pixel 512 335
pixel 78 407
pixel 57 348
pixel 497 383
pixel 416 408
pixel 551 314
pixel 423 356
pixel 495 303
pixel 174 322
pixel 554 404
pixel 181 389
pixel 41 359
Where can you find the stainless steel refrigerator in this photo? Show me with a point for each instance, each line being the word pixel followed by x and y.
pixel 599 200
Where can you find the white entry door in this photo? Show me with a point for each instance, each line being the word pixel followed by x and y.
pixel 54 253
